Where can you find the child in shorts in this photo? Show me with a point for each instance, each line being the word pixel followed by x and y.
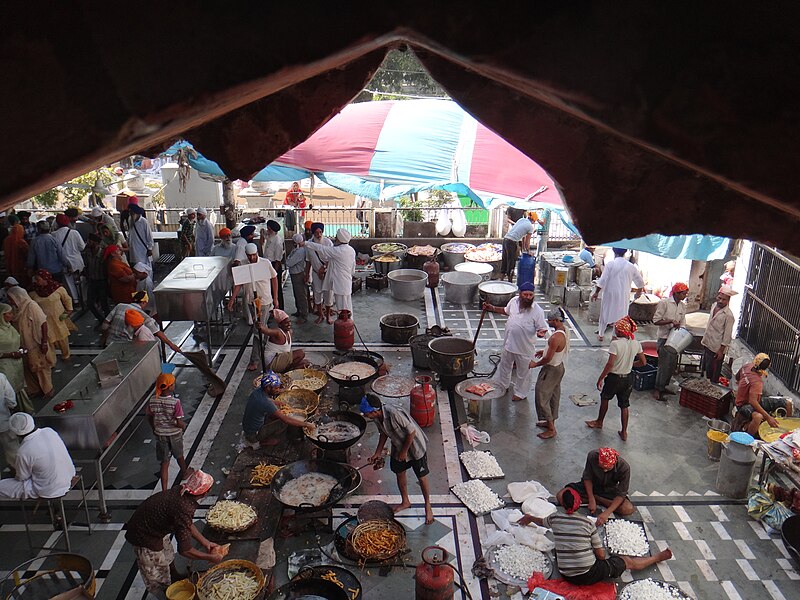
pixel 165 414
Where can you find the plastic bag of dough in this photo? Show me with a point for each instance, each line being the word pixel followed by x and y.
pixel 522 490
pixel 505 518
pixel 443 223
pixel 534 537
pixel 538 507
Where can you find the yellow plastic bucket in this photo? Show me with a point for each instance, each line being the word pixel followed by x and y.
pixel 715 441
pixel 181 590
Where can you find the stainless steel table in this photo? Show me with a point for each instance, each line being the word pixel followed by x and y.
pixel 101 414
pixel 193 291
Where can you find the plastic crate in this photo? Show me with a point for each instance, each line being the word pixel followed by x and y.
pixel 644 378
pixel 712 408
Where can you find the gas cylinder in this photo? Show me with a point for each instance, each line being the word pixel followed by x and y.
pixel 434 575
pixel 344 331
pixel 431 267
pixel 526 268
pixel 423 397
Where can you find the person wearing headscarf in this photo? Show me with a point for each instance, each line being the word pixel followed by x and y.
pixel 751 409
pixel 11 363
pixel 296 198
pixel 204 233
pixel 296 264
pixel 615 284
pixel 140 236
pixel 615 379
pixel 605 482
pixel 278 353
pixel 225 248
pixel 165 414
pixel 259 300
pixel 341 268
pixel 121 281
pixel 115 327
pixel 45 253
pixel 56 304
pixel 29 228
pixel 72 245
pixel 273 251
pixel 548 384
pixel 517 238
pixel 262 421
pixel 718 335
pixel 670 314
pixel 526 322
pixel 143 272
pixel 107 236
pixel 15 249
pixel 186 233
pixel 135 321
pixel 40 358
pixel 247 235
pixel 316 270
pixel 44 466
pixel 307 229
pixel 163 515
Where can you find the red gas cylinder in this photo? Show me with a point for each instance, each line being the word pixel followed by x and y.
pixel 344 331
pixel 423 398
pixel 434 575
pixel 432 269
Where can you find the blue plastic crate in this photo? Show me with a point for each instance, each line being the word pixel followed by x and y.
pixel 644 378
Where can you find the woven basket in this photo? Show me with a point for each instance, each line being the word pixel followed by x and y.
pixel 298 401
pixel 216 573
pixel 356 539
pixel 299 374
pixel 235 529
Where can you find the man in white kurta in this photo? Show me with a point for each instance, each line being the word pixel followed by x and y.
pixel 140 237
pixel 9 442
pixel 526 322
pixel 203 234
pixel 72 246
pixel 615 283
pixel 322 299
pixel 44 466
pixel 341 268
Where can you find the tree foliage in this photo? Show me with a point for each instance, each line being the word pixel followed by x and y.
pixel 72 196
pixel 401 76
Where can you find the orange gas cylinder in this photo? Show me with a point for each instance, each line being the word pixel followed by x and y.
pixel 423 399
pixel 344 331
pixel 434 575
pixel 432 269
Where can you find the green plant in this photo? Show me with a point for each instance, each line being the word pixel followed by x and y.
pixel 158 197
pixel 409 202
pixel 72 196
pixel 436 199
pixel 47 199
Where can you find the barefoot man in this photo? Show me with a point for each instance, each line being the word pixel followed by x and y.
pixel 409 448
pixel 615 380
pixel 548 384
pixel 580 553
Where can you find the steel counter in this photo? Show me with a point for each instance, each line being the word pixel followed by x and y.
pixel 194 289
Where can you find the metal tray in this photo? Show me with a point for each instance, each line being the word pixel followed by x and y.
pixel 471 476
pixel 491 561
pixel 482 513
pixel 604 536
pixel 667 586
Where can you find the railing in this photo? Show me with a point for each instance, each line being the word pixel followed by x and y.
pixel 770 319
pixel 559 232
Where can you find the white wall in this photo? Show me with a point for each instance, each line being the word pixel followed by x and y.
pixel 199 192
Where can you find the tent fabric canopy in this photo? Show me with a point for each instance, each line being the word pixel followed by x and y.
pixel 692 247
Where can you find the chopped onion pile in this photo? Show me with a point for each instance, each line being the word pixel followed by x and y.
pixel 477 496
pixel 481 464
pixel 648 589
pixel 626 538
pixel 520 561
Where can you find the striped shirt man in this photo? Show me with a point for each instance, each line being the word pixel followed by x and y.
pixel 576 538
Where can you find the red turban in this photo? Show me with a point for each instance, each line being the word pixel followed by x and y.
pixel 607 458
pixel 109 251
pixel 625 327
pixel 62 220
pixel 679 287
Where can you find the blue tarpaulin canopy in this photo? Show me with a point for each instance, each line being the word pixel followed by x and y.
pixel 692 247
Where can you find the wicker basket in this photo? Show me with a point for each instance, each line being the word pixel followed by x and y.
pixel 371 528
pixel 235 529
pixel 298 401
pixel 300 374
pixel 215 575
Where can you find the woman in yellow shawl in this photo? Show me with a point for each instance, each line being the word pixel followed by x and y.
pixel 31 322
pixel 55 301
pixel 11 358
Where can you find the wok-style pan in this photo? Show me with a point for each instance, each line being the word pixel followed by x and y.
pixel 368 358
pixel 339 415
pixel 340 472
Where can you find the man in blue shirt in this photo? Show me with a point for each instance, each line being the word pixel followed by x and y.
pixel 262 422
pixel 519 235
pixel 587 256
pixel 45 253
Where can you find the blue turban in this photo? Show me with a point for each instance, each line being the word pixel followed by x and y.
pixel 135 208
pixel 315 226
pixel 273 225
pixel 366 407
pixel 270 379
pixel 620 251
pixel 527 287
pixel 247 230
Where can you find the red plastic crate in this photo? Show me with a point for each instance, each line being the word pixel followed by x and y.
pixel 706 405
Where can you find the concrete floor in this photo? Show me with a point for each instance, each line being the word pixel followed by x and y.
pixel 719 551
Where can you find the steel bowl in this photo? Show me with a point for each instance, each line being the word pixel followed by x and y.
pixel 497 293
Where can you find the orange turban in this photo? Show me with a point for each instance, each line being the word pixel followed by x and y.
pixel 308 224
pixel 224 231
pixel 164 381
pixel 678 288
pixel 134 318
pixel 625 327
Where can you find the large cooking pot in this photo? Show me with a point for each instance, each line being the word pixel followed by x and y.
pixel 386 263
pixel 482 269
pixel 369 358
pixel 460 288
pixel 314 588
pixel 679 340
pixel 348 580
pixel 643 309
pixel 453 253
pixel 451 355
pixel 398 328
pixel 407 284
pixel 790 533
pixel 419 350
pixel 342 473
pixel 497 293
pixel 339 415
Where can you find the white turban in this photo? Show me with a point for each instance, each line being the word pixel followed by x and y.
pixel 21 423
pixel 343 235
pixel 143 268
pixel 190 211
pixel 97 212
pixel 11 281
pixel 202 211
pixel 251 248
pixel 298 238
